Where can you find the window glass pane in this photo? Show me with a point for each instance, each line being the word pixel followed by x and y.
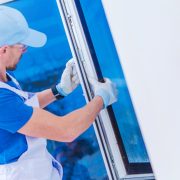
pixel 40 69
pixel 111 67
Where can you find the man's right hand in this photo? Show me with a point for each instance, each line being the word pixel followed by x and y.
pixel 106 90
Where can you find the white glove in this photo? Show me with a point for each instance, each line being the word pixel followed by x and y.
pixel 69 79
pixel 106 90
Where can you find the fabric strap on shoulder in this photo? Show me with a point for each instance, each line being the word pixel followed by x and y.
pixel 17 91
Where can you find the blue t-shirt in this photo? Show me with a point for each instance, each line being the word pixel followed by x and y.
pixel 14 114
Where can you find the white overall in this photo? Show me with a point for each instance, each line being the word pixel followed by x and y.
pixel 36 163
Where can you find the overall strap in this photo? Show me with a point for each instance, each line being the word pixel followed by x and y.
pixel 14 80
pixel 17 91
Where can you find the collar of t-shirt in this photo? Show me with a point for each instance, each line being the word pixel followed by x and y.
pixel 10 82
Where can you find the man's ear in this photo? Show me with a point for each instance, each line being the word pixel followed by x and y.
pixel 3 49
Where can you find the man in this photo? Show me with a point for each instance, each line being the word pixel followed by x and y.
pixel 24 125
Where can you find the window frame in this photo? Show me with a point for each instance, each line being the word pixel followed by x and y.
pixel 106 129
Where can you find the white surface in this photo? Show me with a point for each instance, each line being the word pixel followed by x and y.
pixel 147 37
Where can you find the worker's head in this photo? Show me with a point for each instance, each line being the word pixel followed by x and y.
pixel 15 36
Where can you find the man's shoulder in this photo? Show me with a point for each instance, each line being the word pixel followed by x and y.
pixel 4 93
pixel 7 95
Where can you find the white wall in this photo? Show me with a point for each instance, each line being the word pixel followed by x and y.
pixel 147 37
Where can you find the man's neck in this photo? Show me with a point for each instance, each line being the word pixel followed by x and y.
pixel 3 76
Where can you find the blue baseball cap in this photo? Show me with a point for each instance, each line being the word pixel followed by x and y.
pixel 14 29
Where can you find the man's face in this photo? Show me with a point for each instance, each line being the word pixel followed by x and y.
pixel 12 55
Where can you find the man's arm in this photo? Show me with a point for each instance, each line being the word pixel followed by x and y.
pixel 66 128
pixel 45 98
pixel 69 81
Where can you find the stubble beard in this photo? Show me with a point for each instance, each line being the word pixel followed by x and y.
pixel 14 67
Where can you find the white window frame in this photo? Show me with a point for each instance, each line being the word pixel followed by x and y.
pixel 84 64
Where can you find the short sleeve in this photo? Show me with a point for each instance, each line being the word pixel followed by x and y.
pixel 14 114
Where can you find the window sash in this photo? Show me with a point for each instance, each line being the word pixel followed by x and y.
pixel 106 131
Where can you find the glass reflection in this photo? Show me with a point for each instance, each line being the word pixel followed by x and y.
pixel 110 67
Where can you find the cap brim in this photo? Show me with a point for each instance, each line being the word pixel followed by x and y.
pixel 35 39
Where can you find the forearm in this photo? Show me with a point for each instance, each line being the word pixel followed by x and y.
pixel 80 120
pixel 62 128
pixel 45 98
